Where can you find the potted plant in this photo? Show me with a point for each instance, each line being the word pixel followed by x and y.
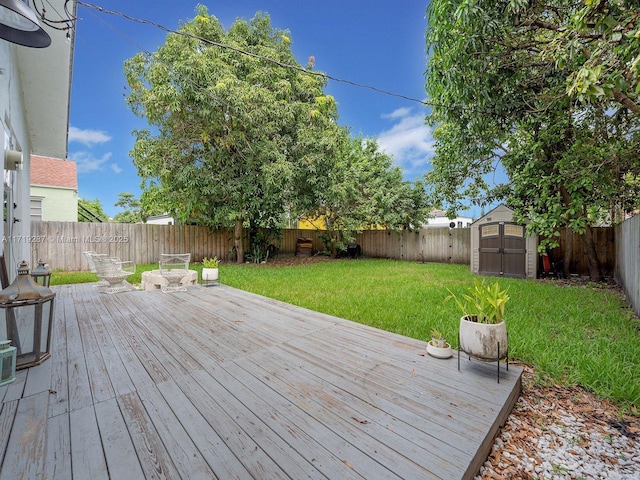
pixel 437 338
pixel 438 346
pixel 210 269
pixel 483 332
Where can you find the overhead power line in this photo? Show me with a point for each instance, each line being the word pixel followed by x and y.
pixel 254 55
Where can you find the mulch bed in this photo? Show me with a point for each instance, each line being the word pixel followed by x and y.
pixel 540 406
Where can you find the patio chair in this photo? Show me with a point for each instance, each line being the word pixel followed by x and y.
pixel 89 255
pixel 174 267
pixel 114 272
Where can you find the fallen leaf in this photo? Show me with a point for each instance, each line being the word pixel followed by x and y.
pixel 348 464
pixel 360 420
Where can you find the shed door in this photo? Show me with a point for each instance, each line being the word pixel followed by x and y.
pixel 502 250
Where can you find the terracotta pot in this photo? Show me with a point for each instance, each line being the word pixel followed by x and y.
pixel 483 340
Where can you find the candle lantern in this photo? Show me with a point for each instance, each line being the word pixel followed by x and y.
pixel 7 362
pixel 41 274
pixel 28 314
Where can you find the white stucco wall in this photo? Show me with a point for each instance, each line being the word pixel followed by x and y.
pixel 15 137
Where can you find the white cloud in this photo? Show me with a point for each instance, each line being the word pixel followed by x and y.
pixel 87 163
pixel 87 137
pixel 115 168
pixel 399 113
pixel 409 140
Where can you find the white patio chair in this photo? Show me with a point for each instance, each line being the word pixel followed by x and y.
pixel 114 272
pixel 174 267
pixel 89 255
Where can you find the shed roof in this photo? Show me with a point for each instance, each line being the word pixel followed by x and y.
pixel 53 172
pixel 501 211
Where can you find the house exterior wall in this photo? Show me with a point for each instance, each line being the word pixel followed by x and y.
pixel 160 220
pixel 16 225
pixel 440 222
pixel 58 204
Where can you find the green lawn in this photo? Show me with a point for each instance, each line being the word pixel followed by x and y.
pixel 578 334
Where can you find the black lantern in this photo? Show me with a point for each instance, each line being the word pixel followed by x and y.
pixel 41 274
pixel 28 312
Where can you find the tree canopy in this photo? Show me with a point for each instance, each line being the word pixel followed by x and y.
pixel 91 211
pixel 548 91
pixel 242 135
pixel 366 190
pixel 235 137
pixel 132 212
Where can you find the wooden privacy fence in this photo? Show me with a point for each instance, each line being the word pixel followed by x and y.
pixel 61 244
pixel 627 271
pixel 604 239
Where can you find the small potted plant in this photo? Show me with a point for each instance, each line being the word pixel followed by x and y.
pixel 438 346
pixel 437 338
pixel 210 269
pixel 483 332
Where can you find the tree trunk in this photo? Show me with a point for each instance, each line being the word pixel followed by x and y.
pixel 568 253
pixel 595 272
pixel 237 240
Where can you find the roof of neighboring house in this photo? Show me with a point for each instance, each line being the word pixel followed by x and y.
pixel 53 172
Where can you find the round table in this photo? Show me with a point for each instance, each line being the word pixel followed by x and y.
pixel 152 280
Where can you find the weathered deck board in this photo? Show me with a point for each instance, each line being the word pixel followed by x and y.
pixel 119 450
pixel 86 445
pixel 263 452
pixel 57 464
pixel 220 383
pixel 59 386
pixel 26 449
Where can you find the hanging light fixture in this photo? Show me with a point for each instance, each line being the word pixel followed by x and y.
pixel 18 24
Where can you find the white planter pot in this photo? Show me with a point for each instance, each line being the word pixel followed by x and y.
pixel 439 352
pixel 209 274
pixel 483 340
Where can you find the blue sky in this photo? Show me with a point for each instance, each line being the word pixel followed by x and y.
pixel 374 42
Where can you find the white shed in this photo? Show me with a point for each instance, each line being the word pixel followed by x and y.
pixel 499 246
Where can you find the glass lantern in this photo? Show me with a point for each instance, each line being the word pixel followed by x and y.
pixel 27 309
pixel 41 274
pixel 7 362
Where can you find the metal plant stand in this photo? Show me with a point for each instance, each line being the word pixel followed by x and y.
pixel 497 359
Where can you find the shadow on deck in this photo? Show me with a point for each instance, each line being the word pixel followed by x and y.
pixel 221 383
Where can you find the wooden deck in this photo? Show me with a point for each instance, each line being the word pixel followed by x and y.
pixel 219 383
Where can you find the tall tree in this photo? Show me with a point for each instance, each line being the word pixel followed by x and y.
pixel 132 209
pixel 366 190
pixel 231 131
pixel 517 82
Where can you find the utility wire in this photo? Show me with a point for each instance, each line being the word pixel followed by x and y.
pixel 254 55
